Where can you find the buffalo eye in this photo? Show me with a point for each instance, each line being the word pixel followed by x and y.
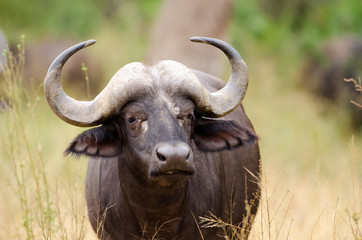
pixel 131 120
pixel 134 123
pixel 190 116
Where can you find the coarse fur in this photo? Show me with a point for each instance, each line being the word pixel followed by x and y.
pixel 136 190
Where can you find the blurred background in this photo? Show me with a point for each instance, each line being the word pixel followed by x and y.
pixel 299 52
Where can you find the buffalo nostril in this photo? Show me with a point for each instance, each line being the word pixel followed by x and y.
pixel 161 157
pixel 173 152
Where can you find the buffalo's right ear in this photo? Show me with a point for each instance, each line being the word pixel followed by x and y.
pixel 217 135
pixel 97 142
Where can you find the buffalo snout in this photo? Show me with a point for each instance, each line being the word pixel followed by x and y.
pixel 173 152
pixel 171 162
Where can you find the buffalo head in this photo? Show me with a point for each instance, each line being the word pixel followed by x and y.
pixel 158 155
pixel 154 115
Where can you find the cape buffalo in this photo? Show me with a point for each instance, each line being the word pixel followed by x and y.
pixel 3 44
pixel 339 58
pixel 159 159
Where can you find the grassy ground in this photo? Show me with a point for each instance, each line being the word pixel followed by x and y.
pixel 312 161
pixel 312 171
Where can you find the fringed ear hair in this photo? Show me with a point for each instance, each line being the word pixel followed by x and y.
pixel 216 135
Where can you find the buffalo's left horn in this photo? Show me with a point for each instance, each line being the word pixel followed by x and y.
pixel 86 113
pixel 79 113
pixel 225 100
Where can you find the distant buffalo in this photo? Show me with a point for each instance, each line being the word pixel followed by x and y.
pixel 3 43
pixel 172 144
pixel 325 73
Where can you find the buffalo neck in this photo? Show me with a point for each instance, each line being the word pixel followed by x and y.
pixel 152 205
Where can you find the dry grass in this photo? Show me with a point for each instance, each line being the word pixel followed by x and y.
pixel 314 209
pixel 358 87
pixel 33 206
pixel 311 182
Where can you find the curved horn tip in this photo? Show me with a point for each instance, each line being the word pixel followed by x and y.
pixel 89 42
pixel 199 39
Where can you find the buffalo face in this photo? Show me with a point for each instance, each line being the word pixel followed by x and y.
pixel 157 132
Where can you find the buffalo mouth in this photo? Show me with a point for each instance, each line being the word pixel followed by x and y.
pixel 166 177
pixel 173 172
pixel 171 177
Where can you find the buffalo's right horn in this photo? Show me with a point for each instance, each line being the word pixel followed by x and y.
pixel 225 100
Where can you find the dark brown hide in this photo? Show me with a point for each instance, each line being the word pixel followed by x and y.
pixel 125 203
pixel 173 145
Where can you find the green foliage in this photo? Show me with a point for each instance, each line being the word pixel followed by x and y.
pixel 135 18
pixel 71 18
pixel 303 23
pixel 74 18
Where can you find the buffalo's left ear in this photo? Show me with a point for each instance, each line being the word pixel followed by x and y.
pixel 97 142
pixel 216 135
